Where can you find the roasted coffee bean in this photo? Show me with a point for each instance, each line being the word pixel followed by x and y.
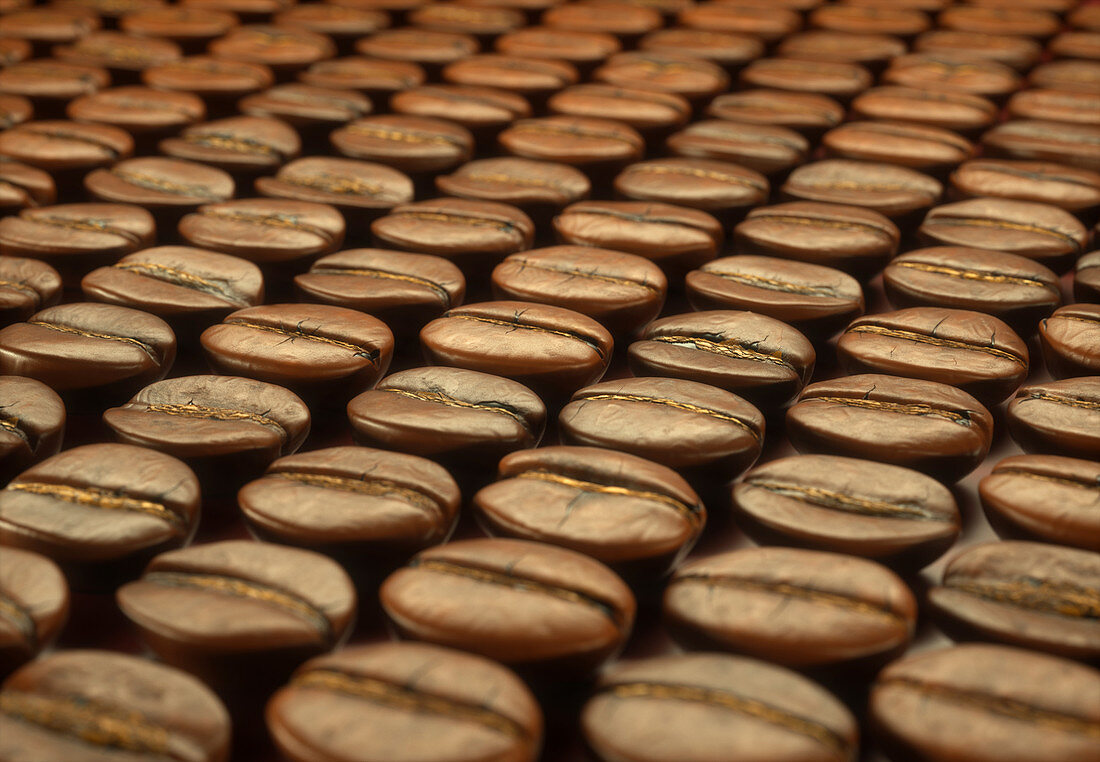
pixel 865 48
pixel 118 52
pixel 238 612
pixel 139 110
pixel 109 706
pixel 691 77
pixel 975 352
pixel 582 49
pixel 814 299
pixel 237 424
pixel 1058 417
pixel 14 109
pixel 649 112
pixel 1085 17
pixel 286 50
pixel 993 20
pixel 730 51
pixel 368 509
pixel 50 84
pixel 807 113
pixel 538 187
pixel 924 425
pixel 1075 144
pixel 675 237
pixel 553 350
pixel 313 349
pixel 534 606
pixel 186 287
pixel 849 238
pixel 46 26
pixel 677 423
pixel 952 73
pixel 409 143
pixel 483 110
pixel 1024 594
pixel 23 186
pixel 1046 498
pixel 838 80
pixel 265 230
pixel 760 358
pixel 375 77
pixel 470 233
pixel 530 77
pixel 889 514
pixel 14 50
pixel 76 238
pixel 931 149
pixel 897 192
pixel 1086 278
pixel 32 423
pixel 1075 190
pixel 34 605
pixel 621 291
pixel 191 28
pixel 1075 45
pixel 620 19
pixel 581 141
pixel 357 188
pixel 632 514
pixel 1071 341
pixel 306 106
pixel 422 47
pixel 903 22
pixel 1041 232
pixel 108 10
pixel 798 608
pixel 1054 106
pixel 212 79
pixel 711 185
pixel 710 706
pixel 161 185
pixel 404 290
pixel 1018 290
pixel 952 701
pixel 101 511
pixel 766 24
pixel 961 112
pixel 249 10
pixel 57 145
pixel 242 144
pixel 100 349
pixel 387 700
pixel 342 24
pixel 26 286
pixel 485 22
pixel 763 148
pixel 448 414
pixel 1021 53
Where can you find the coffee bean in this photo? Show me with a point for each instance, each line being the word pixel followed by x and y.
pixel 897 192
pixel 975 352
pixel 535 186
pixel 621 291
pixel 44 26
pixel 307 106
pixel 710 706
pixel 1075 190
pixel 584 142
pixel 903 22
pixel 23 186
pixel 1084 17
pixel 1070 339
pixel 849 238
pixel 1086 278
pixel 101 511
pixel 992 20
pixel 482 22
pixel 119 52
pixel 1041 232
pixel 954 699
pixel 1074 144
pixel 313 349
pixel 50 84
pixel 763 148
pixel 211 609
pixel 620 19
pixel 34 604
pixel 798 608
pixel 730 51
pixel 32 423
pixel 422 47
pixel 191 28
pixel 1044 497
pixel 139 110
pixel 952 73
pixel 932 149
pixel 479 109
pixel 14 109
pixel 838 80
pixel 923 425
pixel 342 24
pixel 357 188
pixel 1018 290
pixel 1021 53
pixel 892 515
pixel 1075 45
pixel 57 145
pixel 864 48
pixel 286 50
pixel 14 50
pixel 385 700
pixel 1058 417
pixel 526 604
pixel 242 144
pixel 248 10
pixel 961 112
pixel 766 24
pixel 649 112
pixel 110 706
pixel 404 290
pixel 368 509
pixel 26 286
pixel 99 349
pixel 1053 106
pixel 159 184
pixel 530 77
pixel 408 143
pixel 582 49
pixel 212 79
pixel 677 423
pixel 816 300
pixel 553 350
pixel 707 184
pixel 265 230
pixel 237 424
pixel 448 414
pixel 806 113
pixel 110 10
pixel 690 77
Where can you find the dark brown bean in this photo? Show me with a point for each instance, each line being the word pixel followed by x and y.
pixel 210 78
pixel 838 80
pixel 118 52
pixel 1058 417
pixel 242 144
pixel 584 142
pixel 530 77
pixel 26 286
pixel 139 110
pixel 1086 278
pixel 807 113
pixel 1035 139
pixel 691 77
pixel 265 230
pixel 32 423
pixel 423 47
pixel 1070 339
pixel 931 149
pixel 57 145
pixel 529 184
pixel 23 186
pixel 961 112
pixel 34 605
pixel 708 184
pixel 1070 188
pixel 647 111
pixel 763 148
pixel 160 184
pixel 286 50
pixel 897 192
pixel 352 186
pixel 307 106
pixel 408 143
pixel 192 28
pixel 375 77
pixel 479 109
